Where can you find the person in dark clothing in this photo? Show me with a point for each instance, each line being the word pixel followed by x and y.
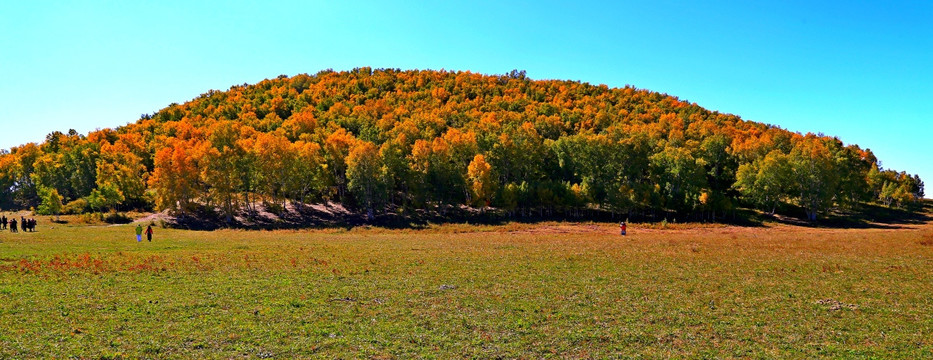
pixel 149 233
pixel 3 222
pixel 13 225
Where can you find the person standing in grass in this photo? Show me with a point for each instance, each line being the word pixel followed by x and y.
pixel 3 222
pixel 149 233
pixel 622 227
pixel 13 225
pixel 139 232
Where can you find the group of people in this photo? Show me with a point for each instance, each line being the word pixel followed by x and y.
pixel 27 224
pixel 139 233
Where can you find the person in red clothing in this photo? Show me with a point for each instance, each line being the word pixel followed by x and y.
pixel 622 228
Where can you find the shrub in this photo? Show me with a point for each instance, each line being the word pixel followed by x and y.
pixel 76 207
pixel 90 218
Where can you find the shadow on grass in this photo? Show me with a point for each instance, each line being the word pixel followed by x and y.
pixel 335 216
pixel 865 216
pixel 332 216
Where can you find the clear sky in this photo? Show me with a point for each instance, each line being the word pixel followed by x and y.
pixel 859 70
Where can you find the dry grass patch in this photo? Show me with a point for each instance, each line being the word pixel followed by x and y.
pixel 926 238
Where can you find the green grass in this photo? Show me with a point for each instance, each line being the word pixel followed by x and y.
pixel 514 291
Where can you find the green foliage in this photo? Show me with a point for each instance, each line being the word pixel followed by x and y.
pixel 51 202
pixel 767 181
pixel 367 176
pixel 104 198
pixel 816 175
pixel 680 176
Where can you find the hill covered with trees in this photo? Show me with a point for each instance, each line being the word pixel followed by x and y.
pixel 391 139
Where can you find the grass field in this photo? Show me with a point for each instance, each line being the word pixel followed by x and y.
pixel 515 291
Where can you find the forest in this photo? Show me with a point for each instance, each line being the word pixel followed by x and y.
pixel 391 140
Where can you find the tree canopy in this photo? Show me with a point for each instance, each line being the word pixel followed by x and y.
pixel 377 139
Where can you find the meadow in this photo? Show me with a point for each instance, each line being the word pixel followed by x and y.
pixel 545 290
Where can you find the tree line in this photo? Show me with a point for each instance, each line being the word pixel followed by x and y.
pixel 378 139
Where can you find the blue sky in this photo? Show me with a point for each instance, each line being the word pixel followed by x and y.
pixel 857 70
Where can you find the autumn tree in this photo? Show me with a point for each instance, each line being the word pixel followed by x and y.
pixel 8 176
pixel 274 163
pixel 220 168
pixel 299 123
pixel 337 147
pixel 307 173
pixel 481 180
pixel 22 169
pixel 395 154
pixel 123 170
pixel 175 178
pixel 814 170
